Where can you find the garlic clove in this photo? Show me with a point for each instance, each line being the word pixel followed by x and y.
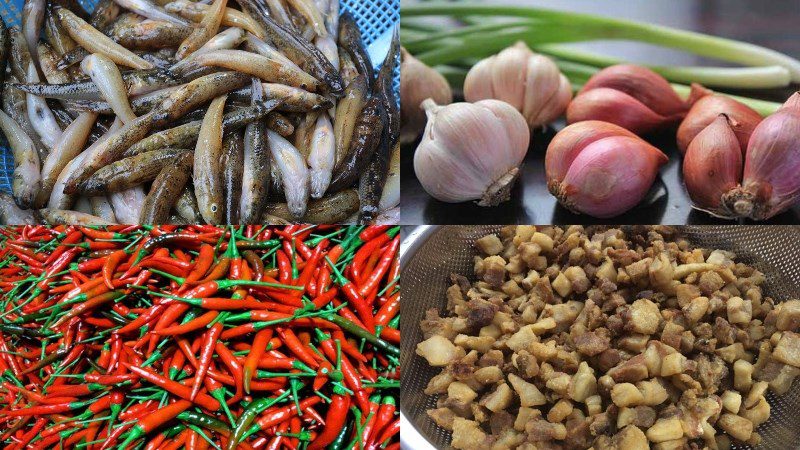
pixel 570 141
pixel 707 108
pixel 471 151
pixel 641 83
pixel 771 184
pixel 529 82
pixel 610 176
pixel 547 92
pixel 619 108
pixel 712 166
pixel 417 83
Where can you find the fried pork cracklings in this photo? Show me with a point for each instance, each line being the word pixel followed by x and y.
pixel 576 338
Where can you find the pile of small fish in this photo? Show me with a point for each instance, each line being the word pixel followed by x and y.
pixel 157 111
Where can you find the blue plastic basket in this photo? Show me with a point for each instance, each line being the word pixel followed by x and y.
pixel 376 19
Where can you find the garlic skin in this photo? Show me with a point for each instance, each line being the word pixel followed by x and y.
pixel 417 83
pixel 471 151
pixel 530 82
pixel 608 172
pixel 712 166
pixel 633 97
pixel 706 108
pixel 771 184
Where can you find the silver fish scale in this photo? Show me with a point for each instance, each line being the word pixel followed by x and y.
pixel 375 18
pixel 438 251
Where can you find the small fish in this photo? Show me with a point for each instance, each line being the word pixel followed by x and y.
pixel 39 113
pixel 110 150
pixel 260 66
pixel 294 173
pixel 351 41
pixel 26 180
pixel 227 39
pixel 312 15
pixel 232 174
pixel 11 214
pixel 128 204
pixel 302 53
pixel 166 189
pixel 293 99
pixel 32 21
pixel 279 12
pixel 152 11
pixel 150 34
pixel 391 188
pixel 186 206
pixel 322 156
pixel 207 179
pixel 185 136
pixel 20 55
pixel 334 208
pixel 96 42
pixel 202 33
pixel 193 94
pixel 65 217
pixel 129 172
pixel 137 82
pixel 102 208
pixel 348 111
pixel 256 45
pixel 60 199
pixel 366 137
pixel 105 74
pixel 256 168
pixel 231 17
pixel 66 149
pixel 15 105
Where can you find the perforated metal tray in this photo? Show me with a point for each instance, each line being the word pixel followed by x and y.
pixel 430 253
pixel 376 19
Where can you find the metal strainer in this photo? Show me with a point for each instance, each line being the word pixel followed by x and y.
pixel 429 254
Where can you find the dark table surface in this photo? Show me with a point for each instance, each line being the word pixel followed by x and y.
pixel 773 24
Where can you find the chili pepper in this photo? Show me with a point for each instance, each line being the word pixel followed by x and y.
pixel 174 387
pixel 165 313
pixel 334 419
pixel 251 362
pixel 155 419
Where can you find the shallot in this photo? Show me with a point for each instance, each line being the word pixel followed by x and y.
pixel 600 169
pixel 633 97
pixel 417 83
pixel 706 107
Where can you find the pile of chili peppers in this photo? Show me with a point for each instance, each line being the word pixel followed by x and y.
pixel 199 337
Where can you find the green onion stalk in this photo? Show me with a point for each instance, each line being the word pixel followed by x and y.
pixel 491 28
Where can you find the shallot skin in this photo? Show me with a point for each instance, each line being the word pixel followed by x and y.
pixel 706 107
pixel 712 166
pixel 771 183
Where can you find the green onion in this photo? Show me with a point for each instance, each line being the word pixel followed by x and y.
pixel 561 26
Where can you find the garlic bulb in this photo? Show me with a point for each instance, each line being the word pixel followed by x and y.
pixel 706 108
pixel 712 166
pixel 771 183
pixel 417 83
pixel 633 97
pixel 600 169
pixel 471 151
pixel 529 82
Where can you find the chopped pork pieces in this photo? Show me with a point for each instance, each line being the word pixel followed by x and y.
pixel 604 338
